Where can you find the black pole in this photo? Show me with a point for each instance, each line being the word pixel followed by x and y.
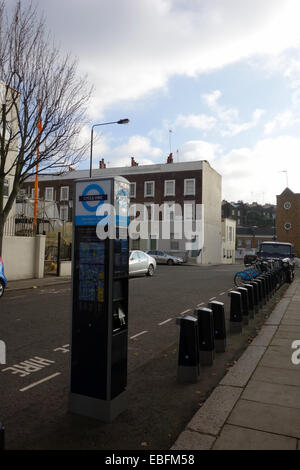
pixel 58 254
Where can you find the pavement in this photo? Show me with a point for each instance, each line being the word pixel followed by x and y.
pixel 34 283
pixel 256 405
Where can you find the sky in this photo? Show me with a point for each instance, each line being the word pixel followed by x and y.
pixel 215 80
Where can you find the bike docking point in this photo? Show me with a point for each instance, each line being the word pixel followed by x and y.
pixel 219 325
pixel 260 291
pixel 188 352
pixel 236 312
pixel 250 289
pixel 255 295
pixel 206 336
pixel 245 304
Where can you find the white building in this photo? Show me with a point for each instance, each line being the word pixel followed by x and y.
pixel 228 241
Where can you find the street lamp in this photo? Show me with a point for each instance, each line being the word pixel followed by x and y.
pixel 121 121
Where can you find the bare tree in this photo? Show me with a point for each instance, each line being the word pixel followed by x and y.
pixel 39 85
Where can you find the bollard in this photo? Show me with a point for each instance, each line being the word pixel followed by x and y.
pixel 245 304
pixel 219 325
pixel 2 437
pixel 206 335
pixel 188 353
pixel 236 312
pixel 250 289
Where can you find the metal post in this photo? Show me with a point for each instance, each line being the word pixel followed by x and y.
pixel 58 254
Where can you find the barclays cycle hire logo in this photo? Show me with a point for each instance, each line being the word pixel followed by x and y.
pixel 92 197
pixel 86 198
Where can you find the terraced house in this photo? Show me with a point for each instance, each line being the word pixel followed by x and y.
pixel 187 184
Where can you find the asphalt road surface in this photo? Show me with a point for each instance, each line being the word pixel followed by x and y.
pixel 36 324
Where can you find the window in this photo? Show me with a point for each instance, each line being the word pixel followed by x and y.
pixel 169 210
pixel 248 244
pixel 149 189
pixel 135 244
pixel 150 210
pixel 132 189
pixel 170 188
pixel 189 211
pixel 64 193
pixel 64 213
pixel 32 193
pixel 174 245
pixel 239 242
pixel 189 187
pixel 49 194
pixel 232 212
pixel 6 187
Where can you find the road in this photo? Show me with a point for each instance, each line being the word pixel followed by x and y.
pixel 34 384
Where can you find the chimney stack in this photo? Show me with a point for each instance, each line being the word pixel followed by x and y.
pixel 133 162
pixel 170 158
pixel 102 164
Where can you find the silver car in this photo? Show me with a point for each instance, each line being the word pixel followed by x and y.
pixel 164 258
pixel 141 263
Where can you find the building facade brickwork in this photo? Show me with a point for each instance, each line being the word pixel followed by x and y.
pixel 288 219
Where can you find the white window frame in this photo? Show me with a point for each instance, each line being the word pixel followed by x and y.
pixel 32 193
pixel 61 209
pixel 186 181
pixel 132 185
pixel 52 191
pixel 167 211
pixel 153 188
pixel 189 203
pixel 172 193
pixel 61 191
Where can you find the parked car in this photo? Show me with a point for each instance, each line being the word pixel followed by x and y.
pixel 141 263
pixel 162 257
pixel 3 280
pixel 284 252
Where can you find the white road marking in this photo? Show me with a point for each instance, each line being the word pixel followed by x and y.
pixel 39 382
pixel 199 305
pixel 186 311
pixel 222 293
pixel 139 334
pixel 163 322
pixel 213 298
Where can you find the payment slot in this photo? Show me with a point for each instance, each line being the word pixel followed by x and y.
pixel 99 298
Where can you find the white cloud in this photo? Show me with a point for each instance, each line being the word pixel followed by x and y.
pixel 251 173
pixel 228 118
pixel 138 147
pixel 281 121
pixel 133 47
pixel 196 121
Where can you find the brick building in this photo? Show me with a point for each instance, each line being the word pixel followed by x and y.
pixel 189 183
pixel 288 218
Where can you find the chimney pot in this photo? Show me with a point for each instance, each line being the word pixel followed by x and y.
pixel 170 158
pixel 102 164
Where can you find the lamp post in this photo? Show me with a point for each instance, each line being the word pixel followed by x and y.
pixel 121 121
